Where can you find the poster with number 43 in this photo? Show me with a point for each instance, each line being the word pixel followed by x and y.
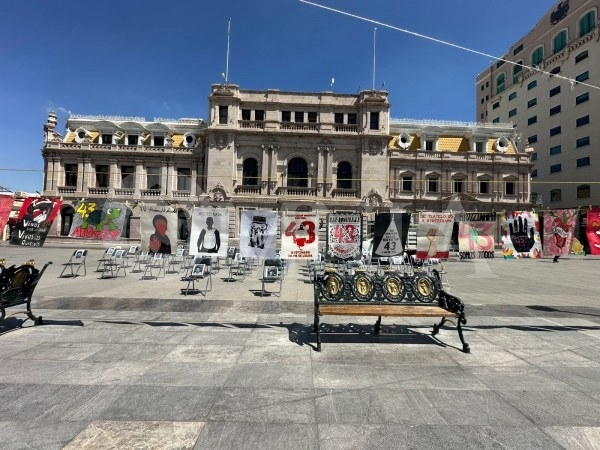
pixel 344 235
pixel 299 240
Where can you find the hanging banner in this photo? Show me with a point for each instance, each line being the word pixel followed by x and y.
pixel 477 237
pixel 258 234
pixel 592 230
pixel 559 225
pixel 390 234
pixel 103 221
pixel 434 233
pixel 299 240
pixel 34 220
pixel 210 231
pixel 344 235
pixel 158 231
pixel 520 235
pixel 6 204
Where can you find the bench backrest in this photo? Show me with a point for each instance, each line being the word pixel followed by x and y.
pixel 21 280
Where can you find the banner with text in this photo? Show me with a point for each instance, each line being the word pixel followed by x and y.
pixel 6 203
pixel 210 231
pixel 258 234
pixel 344 235
pixel 390 234
pixel 102 221
pixel 559 225
pixel 477 237
pixel 35 219
pixel 520 235
pixel 299 240
pixel 434 233
pixel 592 230
pixel 158 231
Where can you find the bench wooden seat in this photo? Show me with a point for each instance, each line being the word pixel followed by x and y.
pixel 392 294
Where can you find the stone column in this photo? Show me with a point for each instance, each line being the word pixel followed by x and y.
pixel 139 174
pixel 112 177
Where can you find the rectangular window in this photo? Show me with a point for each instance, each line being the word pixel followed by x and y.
pixel 532 139
pixel 582 76
pixel 531 85
pixel 496 120
pixel 518 49
pixel 554 110
pixel 510 188
pixel 184 179
pixel 286 116
pixel 555 71
pixel 433 184
pixel 153 177
pixel 554 91
pixel 512 96
pixel 71 175
pixel 351 118
pixel 374 121
pixel 496 105
pixel 555 168
pixel 582 162
pixel 554 131
pixel 555 150
pixel 429 144
pixel 479 147
pixel 159 141
pixel 127 177
pixel 259 114
pixel 582 121
pixel 459 185
pixel 407 184
pixel 532 120
pixel 512 112
pixel 581 56
pixel 582 142
pixel 299 116
pixel 132 139
pixel 532 102
pixel 583 191
pixel 534 156
pixel 338 118
pixel 498 65
pixel 223 115
pixel 246 114
pixel 534 173
pixel 484 187
pixel 101 175
pixel 106 138
pixel 312 117
pixel 582 98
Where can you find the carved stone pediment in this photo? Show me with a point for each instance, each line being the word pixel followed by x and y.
pixel 373 198
pixel 221 141
pixel 375 147
pixel 218 193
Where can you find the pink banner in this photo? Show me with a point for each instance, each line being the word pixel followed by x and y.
pixel 558 231
pixel 592 230
pixel 6 203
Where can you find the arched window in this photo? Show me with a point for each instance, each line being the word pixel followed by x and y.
pixel 555 195
pixel 559 42
pixel 344 175
pixel 583 191
pixel 537 56
pixel 500 83
pixel 587 23
pixel 297 174
pixel 250 172
pixel 66 215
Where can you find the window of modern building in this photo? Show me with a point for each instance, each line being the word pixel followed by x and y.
pixel 500 83
pixel 581 56
pixel 127 177
pixel 71 175
pixel 153 177
pixel 510 188
pixel 496 105
pixel 534 173
pixel 555 71
pixel 312 117
pixel 531 120
pixel 555 150
pixel 158 141
pixel 407 183
pixel 338 118
pixel 250 172
pixel 554 91
pixel 223 114
pixel 555 195
pixel 537 56
pixel 534 156
pixel 496 120
pixel 555 110
pixel 531 103
pixel 531 85
pixel 286 116
pixel 512 96
pixel 484 186
pixel 184 179
pixel 297 174
pixel 107 138
pixel 481 116
pixel 459 185
pixel 374 120
pixel 582 76
pixel 587 23
pixel 512 112
pixel 352 119
pixel 246 114
pixel 344 175
pixel 582 142
pixel 532 139
pixel 556 130
pixel 582 98
pixel 582 121
pixel 584 191
pixel 482 100
pixel 132 139
pixel 499 64
pixel 299 116
pixel 102 175
pixel 433 184
pixel 259 114
pixel 517 49
pixel 517 69
pixel 582 162
pixel 555 168
pixel 482 87
pixel 559 42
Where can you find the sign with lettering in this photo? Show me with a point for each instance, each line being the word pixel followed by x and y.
pixel 520 235
pixel 210 231
pixel 299 238
pixel 434 233
pixel 390 234
pixel 102 221
pixel 559 225
pixel 35 219
pixel 344 235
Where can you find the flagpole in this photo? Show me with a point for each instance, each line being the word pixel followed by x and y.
pixel 374 38
pixel 227 62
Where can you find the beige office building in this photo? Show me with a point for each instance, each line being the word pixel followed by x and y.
pixel 547 86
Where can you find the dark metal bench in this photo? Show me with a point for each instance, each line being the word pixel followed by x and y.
pixel 393 294
pixel 16 288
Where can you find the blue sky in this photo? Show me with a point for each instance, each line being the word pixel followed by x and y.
pixel 159 59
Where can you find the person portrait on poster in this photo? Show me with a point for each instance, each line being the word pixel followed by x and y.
pixel 209 240
pixel 159 241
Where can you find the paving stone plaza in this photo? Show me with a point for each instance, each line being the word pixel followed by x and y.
pixel 133 363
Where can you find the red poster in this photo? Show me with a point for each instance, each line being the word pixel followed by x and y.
pixel 593 230
pixel 34 221
pixel 6 203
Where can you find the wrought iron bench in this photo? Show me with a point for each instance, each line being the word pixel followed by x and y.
pixel 16 288
pixel 392 293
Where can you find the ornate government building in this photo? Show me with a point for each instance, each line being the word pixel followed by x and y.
pixel 284 151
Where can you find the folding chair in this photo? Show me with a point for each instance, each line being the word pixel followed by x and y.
pixel 238 268
pixel 114 266
pixel 131 255
pixel 200 269
pixel 186 265
pixel 272 272
pixel 141 259
pixel 157 261
pixel 105 258
pixel 77 259
pixel 176 260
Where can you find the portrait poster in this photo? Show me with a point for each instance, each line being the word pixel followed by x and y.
pixel 390 234
pixel 299 238
pixel 592 230
pixel 476 236
pixel 6 204
pixel 520 235
pixel 344 235
pixel 101 221
pixel 434 233
pixel 258 234
pixel 158 231
pixel 559 225
pixel 34 221
pixel 210 232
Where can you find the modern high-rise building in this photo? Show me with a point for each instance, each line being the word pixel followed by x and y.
pixel 547 85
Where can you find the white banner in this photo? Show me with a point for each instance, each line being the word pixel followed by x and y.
pixel 258 234
pixel 434 233
pixel 210 231
pixel 159 232
pixel 344 235
pixel 299 240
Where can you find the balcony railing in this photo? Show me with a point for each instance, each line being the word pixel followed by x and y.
pixel 346 128
pixel 252 124
pixel 98 191
pixel 296 191
pixel 181 194
pixel 300 126
pixel 124 192
pixel 67 189
pixel 247 190
pixel 150 192
pixel 344 193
